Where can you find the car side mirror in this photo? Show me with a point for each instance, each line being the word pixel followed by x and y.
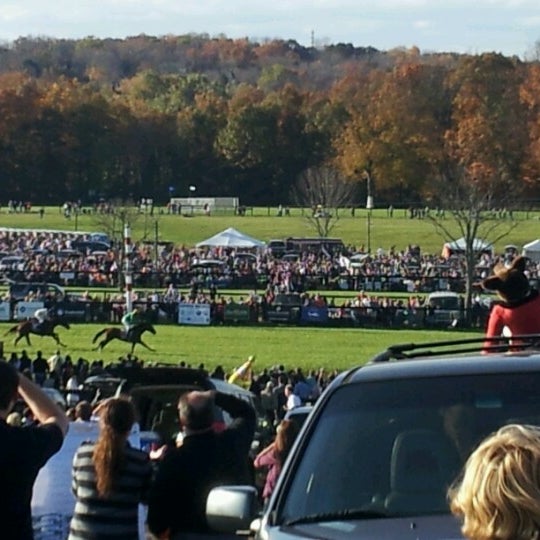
pixel 231 509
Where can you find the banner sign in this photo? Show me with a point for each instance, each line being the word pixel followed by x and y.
pixel 236 313
pixel 24 310
pixel 314 314
pixel 196 314
pixel 72 311
pixel 5 311
pixel 283 314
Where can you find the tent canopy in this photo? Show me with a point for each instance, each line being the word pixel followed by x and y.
pixel 458 246
pixel 231 238
pixel 532 246
pixel 532 250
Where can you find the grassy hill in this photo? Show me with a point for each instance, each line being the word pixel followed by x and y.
pixel 398 231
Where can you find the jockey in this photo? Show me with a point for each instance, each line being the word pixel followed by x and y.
pixel 130 319
pixel 40 316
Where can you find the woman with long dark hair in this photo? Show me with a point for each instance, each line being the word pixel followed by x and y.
pixel 275 454
pixel 110 478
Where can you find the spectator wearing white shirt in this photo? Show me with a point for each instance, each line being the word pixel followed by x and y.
pixel 72 390
pixel 293 400
pixel 55 363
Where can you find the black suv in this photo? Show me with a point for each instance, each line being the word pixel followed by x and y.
pixel 155 391
pixel 378 452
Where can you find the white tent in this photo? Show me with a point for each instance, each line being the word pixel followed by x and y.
pixel 458 246
pixel 532 250
pixel 231 238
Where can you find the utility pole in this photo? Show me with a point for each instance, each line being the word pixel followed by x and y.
pixel 369 207
pixel 366 175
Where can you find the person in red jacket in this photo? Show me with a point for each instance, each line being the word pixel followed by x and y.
pixel 518 311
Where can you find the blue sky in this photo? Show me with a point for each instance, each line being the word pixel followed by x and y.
pixel 511 27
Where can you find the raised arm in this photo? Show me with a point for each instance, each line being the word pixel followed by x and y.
pixel 45 410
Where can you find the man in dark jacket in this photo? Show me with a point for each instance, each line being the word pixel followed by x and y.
pixel 24 450
pixel 206 459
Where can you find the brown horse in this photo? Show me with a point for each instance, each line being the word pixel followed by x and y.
pixel 134 337
pixel 46 328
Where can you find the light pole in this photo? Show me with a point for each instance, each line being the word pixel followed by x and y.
pixel 192 190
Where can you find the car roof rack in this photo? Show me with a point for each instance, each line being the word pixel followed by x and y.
pixel 155 374
pixel 499 344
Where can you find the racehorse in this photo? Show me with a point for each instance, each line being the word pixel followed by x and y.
pixel 46 328
pixel 134 336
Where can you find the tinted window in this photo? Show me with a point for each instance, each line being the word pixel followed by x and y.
pixel 395 446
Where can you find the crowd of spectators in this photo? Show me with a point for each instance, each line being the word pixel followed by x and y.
pixel 268 384
pixel 197 275
pixel 50 256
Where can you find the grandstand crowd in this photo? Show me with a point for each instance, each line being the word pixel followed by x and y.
pixel 70 258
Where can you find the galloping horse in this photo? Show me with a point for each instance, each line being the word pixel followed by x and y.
pixel 46 328
pixel 119 333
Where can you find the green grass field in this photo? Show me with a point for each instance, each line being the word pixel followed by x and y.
pixel 229 346
pixel 398 231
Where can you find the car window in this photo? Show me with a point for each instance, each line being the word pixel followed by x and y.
pixel 444 302
pixel 395 446
pixel 157 408
pixel 298 416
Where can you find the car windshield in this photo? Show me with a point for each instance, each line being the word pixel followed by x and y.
pixel 393 447
pixel 445 302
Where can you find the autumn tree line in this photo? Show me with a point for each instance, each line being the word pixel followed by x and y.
pixel 148 117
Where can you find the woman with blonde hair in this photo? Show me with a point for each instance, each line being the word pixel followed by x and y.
pixel 498 496
pixel 110 478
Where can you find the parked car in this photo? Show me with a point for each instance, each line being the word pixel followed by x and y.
pixel 277 247
pixel 445 308
pixel 385 440
pixel 13 262
pixel 299 414
pixel 20 290
pixel 291 256
pixel 87 247
pixel 68 254
pixel 155 391
pixel 285 308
